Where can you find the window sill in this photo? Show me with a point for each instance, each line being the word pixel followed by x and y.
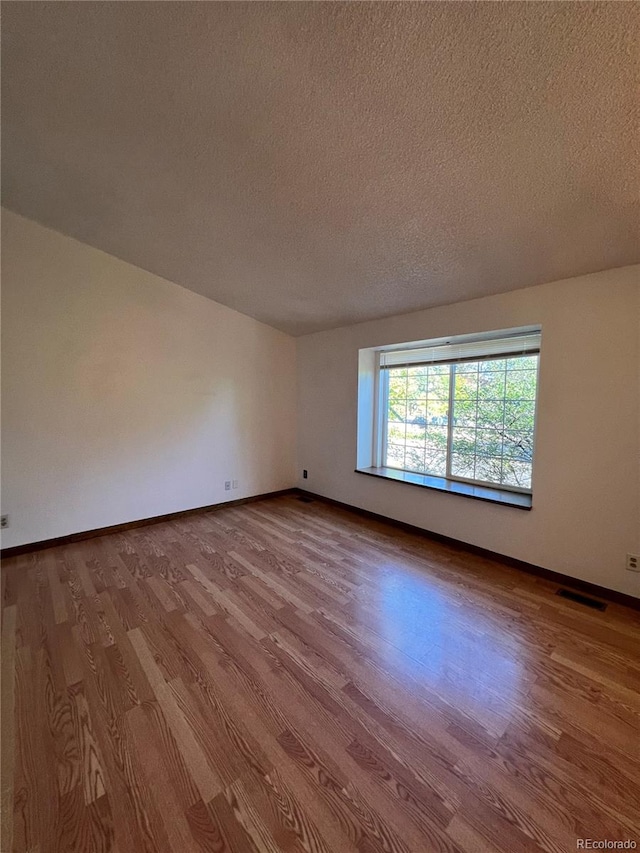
pixel 451 487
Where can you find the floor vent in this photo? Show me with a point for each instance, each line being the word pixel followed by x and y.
pixel 305 499
pixel 581 599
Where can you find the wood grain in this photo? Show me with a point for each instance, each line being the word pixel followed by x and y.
pixel 288 676
pixel 8 723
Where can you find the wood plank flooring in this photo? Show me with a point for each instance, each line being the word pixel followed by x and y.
pixel 287 676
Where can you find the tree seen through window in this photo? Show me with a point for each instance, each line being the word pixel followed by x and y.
pixel 473 420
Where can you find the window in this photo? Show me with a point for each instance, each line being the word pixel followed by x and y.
pixel 461 409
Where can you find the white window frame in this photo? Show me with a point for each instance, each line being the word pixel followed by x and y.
pixel 381 396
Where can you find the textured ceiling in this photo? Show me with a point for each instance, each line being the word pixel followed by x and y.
pixel 316 164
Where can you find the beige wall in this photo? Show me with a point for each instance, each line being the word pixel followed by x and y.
pixel 586 512
pixel 125 396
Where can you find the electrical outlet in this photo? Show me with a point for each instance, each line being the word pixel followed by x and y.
pixel 234 484
pixel 304 473
pixel 227 485
pixel 4 520
pixel 633 563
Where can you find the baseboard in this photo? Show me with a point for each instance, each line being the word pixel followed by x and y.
pixel 16 550
pixel 554 577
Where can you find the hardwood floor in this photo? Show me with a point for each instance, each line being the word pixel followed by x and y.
pixel 286 676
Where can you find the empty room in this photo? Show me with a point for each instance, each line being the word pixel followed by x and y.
pixel 320 452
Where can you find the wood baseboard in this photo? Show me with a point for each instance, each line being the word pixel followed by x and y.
pixel 554 577
pixel 16 550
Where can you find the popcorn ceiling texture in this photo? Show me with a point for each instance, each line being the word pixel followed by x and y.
pixel 318 164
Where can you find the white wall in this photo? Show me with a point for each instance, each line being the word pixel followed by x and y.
pixel 126 396
pixel 586 501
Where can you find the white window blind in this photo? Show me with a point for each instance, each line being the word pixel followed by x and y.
pixel 464 350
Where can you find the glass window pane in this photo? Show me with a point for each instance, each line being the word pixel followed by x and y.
pixel 417 411
pixel 415 435
pixel 397 410
pixel 397 383
pixel 414 459
pixel 464 441
pixel 464 413
pixel 489 442
pixel 399 372
pixel 437 412
pixel 466 387
pixel 418 370
pixel 491 385
pixel 488 468
pixel 519 414
pixel 521 385
pixel 462 466
pixel 413 420
pixel 526 362
pixel 517 474
pixel 490 413
pixel 435 461
pixel 492 365
pixel 417 383
pixel 492 420
pixel 395 455
pixel 395 434
pixel 436 437
pixel 438 386
pixel 518 445
pixel 467 367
